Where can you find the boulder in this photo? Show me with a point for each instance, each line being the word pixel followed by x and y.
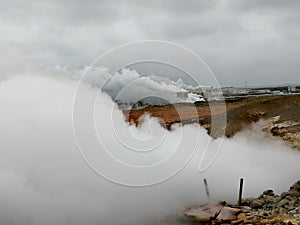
pixel 226 214
pixel 246 209
pixel 289 198
pixel 268 192
pixel 257 203
pixel 242 216
pixel 283 202
pixel 271 199
pixel 205 212
pixel 294 192
pixel 296 186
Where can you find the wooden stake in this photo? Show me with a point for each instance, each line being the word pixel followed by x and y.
pixel 241 191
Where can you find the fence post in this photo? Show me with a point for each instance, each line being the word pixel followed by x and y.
pixel 206 188
pixel 241 191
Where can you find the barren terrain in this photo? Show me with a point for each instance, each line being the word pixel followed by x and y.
pixel 281 112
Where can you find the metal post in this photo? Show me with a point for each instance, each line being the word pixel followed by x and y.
pixel 241 191
pixel 206 189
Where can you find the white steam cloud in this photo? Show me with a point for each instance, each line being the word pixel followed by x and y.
pixel 44 179
pixel 128 86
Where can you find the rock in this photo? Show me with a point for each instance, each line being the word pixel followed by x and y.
pixel 253 220
pixel 242 216
pixel 283 202
pixel 283 194
pixel 277 198
pixel 295 211
pixel 205 212
pixel 289 198
pixel 275 211
pixel 268 192
pixel 282 211
pixel 226 214
pixel 237 221
pixel 257 203
pixel 290 208
pixel 271 199
pixel 246 209
pixel 260 212
pixel 294 192
pixel 247 201
pixel 296 186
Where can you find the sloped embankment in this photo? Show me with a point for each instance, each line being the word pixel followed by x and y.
pixel 283 113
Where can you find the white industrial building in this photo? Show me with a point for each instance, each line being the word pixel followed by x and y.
pixel 292 88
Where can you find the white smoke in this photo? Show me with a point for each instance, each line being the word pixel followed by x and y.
pixel 45 181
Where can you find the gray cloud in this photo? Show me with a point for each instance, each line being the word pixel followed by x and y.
pixel 249 5
pixel 255 41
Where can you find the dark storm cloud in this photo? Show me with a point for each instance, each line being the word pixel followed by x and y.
pixel 242 40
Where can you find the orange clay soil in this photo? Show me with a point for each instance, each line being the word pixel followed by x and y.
pixel 178 112
pixel 240 112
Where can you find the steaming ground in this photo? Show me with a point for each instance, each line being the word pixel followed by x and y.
pixel 45 181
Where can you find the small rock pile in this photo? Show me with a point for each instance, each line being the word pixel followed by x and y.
pixel 269 205
pixel 288 130
pixel 267 209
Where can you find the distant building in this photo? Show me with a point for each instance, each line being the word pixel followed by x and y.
pixel 277 92
pixel 292 88
pixel 182 95
pixel 212 94
pixel 229 91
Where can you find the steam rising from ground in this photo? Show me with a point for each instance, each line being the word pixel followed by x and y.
pixel 45 181
pixel 128 86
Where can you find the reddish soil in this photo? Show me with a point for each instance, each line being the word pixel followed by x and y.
pixel 239 113
pixel 179 112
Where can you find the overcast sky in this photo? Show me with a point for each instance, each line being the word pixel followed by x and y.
pixel 241 40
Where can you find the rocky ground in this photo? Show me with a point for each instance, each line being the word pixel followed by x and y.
pixel 267 209
pixel 281 112
pixel 270 208
pixel 288 130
